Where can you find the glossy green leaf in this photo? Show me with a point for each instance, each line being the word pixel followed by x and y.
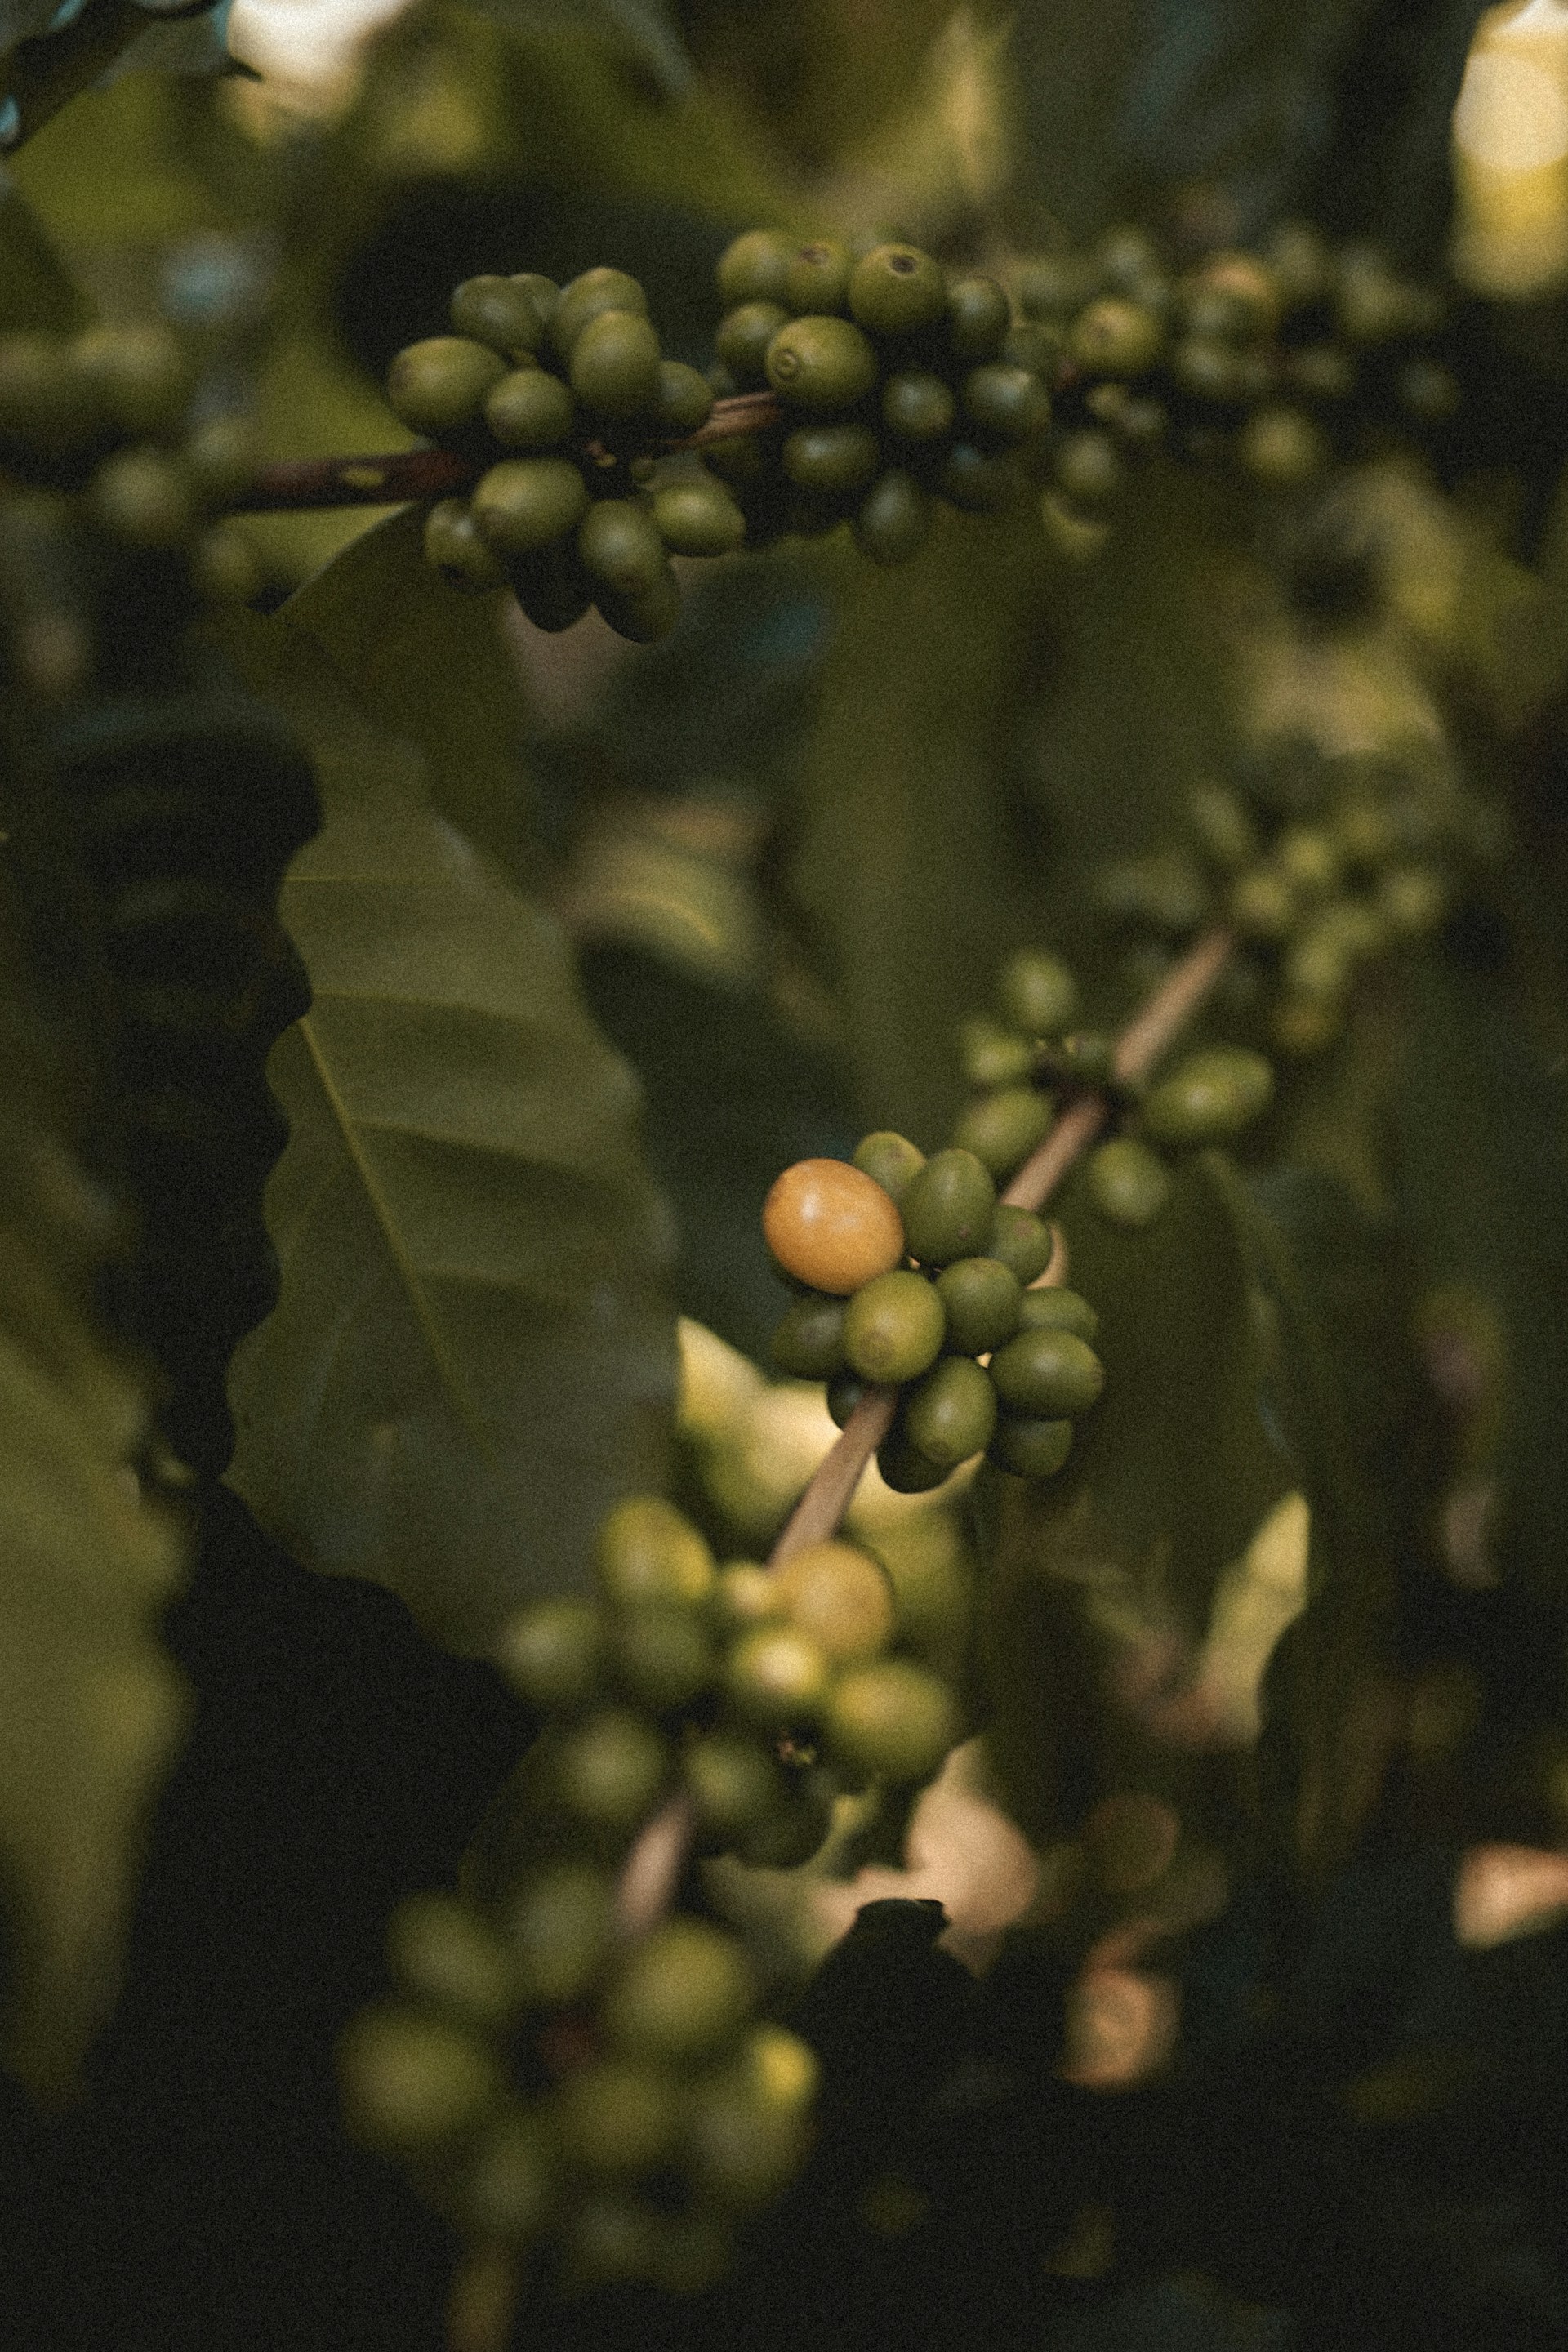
pixel 472 1354
pixel 92 1708
pixel 35 289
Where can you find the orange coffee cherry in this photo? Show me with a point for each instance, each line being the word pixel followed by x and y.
pixel 829 1226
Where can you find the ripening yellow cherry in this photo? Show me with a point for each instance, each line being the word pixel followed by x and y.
pixel 831 1226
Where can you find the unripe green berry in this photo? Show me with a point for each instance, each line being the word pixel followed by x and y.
pixel 139 371
pixel 1005 404
pixel 1030 1448
pixel 616 2118
pixel 895 289
pixel 610 1768
pixel 831 459
pixel 552 1652
pixel 1282 447
pixel 619 547
pixel 681 1993
pixel 892 1720
pixel 808 1339
pixel 978 317
pixel 510 2186
pixel 1089 467
pixel 524 503
pixel 890 1160
pixel 894 520
pixel 1113 337
pixel 817 279
pixel 1209 1096
pixel 793 1829
pixel 775 1677
pixel 905 1468
pixel 1049 1307
pixel 549 585
pixel 821 364
pixel 732 1783
pixel 141 495
pixel 411 2081
pixel 439 387
pixel 530 409
pixel 950 1414
pixel 975 481
pixel 1049 1375
pixel 596 292
pixel 444 1951
pixel 559 1929
pixel 1127 1182
pixel 744 1595
pixel 995 1056
pixel 755 268
pixel 1003 1128
pixel 1021 1241
pixel 981 1299
pixel 662 1658
pixel 699 517
pixel 894 1327
pixel 458 549
pixel 949 1209
pixel 642 614
pixel 648 1552
pixel 918 406
pixel 685 398
pixel 502 312
pixel 1037 994
pixel 615 365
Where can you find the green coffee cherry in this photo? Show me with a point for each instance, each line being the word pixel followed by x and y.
pixel 510 2188
pixel 978 317
pixel 1262 904
pixel 439 387
pixel 905 1468
pixel 741 2152
pixel 141 495
pixel 995 1056
pixel 895 289
pixel 808 1341
pixel 648 1552
pixel 552 1652
pixel 559 1929
pixel 458 549
pixel 755 268
pixel 610 1770
pixel 530 409
pixel 586 298
pixel 1117 338
pixel 699 517
pixel 1282 447
pixel 1049 1375
pixel 1030 1448
pixel 1037 994
pixel 616 2118
pixel 443 1950
pixel 894 1326
pixel 892 1720
pixel 524 503
pixel 817 279
pixel 645 614
pixel 141 373
pixel 411 2081
pixel 1127 1182
pixel 661 1655
pixel 549 586
pixel 681 1993
pixel 1089 467
pixel 1051 1308
pixel 1055 286
pixel 973 481
pixel 1225 831
pixel 744 337
pixel 890 1160
pixel 980 1297
pixel 793 1829
pixel 1003 1128
pixel 831 459
pixel 684 399
pixel 1007 403
pixel 951 1412
pixel 1021 1241
pixel 732 1783
pixel 744 1595
pixel 222 456
pixel 948 1210
pixel 503 312
pixel 821 364
pixel 777 1676
pixel 1412 900
pixel 918 406
pixel 615 365
pixel 894 520
pixel 618 544
pixel 1210 1096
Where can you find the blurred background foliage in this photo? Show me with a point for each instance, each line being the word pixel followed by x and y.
pixel 791 845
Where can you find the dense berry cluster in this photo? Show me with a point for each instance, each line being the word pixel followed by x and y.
pixel 1276 360
pixel 1318 866
pixel 570 2077
pixel 1030 1057
pixel 558 392
pixel 915 1277
pixel 106 414
pixel 896 383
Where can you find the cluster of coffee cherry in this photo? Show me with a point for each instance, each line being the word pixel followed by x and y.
pixel 569 2078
